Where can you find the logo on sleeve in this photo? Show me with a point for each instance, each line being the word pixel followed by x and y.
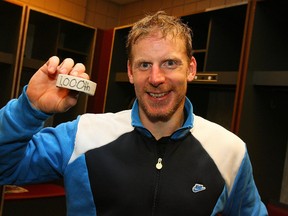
pixel 198 188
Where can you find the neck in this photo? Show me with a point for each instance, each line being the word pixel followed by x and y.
pixel 161 129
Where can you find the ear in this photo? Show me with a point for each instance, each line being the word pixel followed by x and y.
pixel 192 69
pixel 130 73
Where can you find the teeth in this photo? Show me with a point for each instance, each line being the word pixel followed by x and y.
pixel 157 95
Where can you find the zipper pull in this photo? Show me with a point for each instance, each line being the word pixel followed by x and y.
pixel 159 164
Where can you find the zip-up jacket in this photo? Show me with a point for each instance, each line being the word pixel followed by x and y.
pixel 112 165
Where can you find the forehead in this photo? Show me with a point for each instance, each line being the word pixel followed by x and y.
pixel 156 39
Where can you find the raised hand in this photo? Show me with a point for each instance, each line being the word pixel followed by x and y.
pixel 42 91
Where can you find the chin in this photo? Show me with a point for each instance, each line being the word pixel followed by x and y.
pixel 158 115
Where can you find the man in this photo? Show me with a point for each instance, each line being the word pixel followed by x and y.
pixel 156 159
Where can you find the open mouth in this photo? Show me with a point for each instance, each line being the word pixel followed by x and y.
pixel 158 95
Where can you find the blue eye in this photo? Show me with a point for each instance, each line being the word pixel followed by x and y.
pixel 144 66
pixel 170 64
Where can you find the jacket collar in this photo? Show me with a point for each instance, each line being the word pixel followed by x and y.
pixel 178 134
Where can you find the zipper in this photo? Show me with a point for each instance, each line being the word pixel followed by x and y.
pixel 159 164
pixel 158 167
pixel 161 147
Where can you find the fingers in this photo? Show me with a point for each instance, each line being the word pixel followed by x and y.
pixel 66 66
pixel 51 65
pixel 79 71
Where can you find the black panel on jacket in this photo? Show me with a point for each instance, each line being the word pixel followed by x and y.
pixel 124 178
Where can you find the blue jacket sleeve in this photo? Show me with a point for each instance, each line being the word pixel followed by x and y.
pixel 244 198
pixel 28 153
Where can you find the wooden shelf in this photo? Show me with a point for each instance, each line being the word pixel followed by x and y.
pixel 43 199
pixel 72 51
pixel 6 58
pixel 49 35
pixel 37 191
pixel 32 63
pixel 200 51
pixel 11 24
pixel 270 78
pixel 216 78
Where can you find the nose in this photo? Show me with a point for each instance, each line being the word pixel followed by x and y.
pixel 157 76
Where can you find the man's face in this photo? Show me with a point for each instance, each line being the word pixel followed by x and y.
pixel 159 70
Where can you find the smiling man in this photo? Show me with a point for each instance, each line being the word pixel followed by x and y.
pixel 160 72
pixel 157 159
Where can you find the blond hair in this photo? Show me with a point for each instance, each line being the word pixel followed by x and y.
pixel 167 25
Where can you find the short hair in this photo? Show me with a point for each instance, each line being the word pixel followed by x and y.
pixel 168 25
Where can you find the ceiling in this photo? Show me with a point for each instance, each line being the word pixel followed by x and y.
pixel 122 2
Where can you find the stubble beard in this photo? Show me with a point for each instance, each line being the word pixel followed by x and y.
pixel 159 113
